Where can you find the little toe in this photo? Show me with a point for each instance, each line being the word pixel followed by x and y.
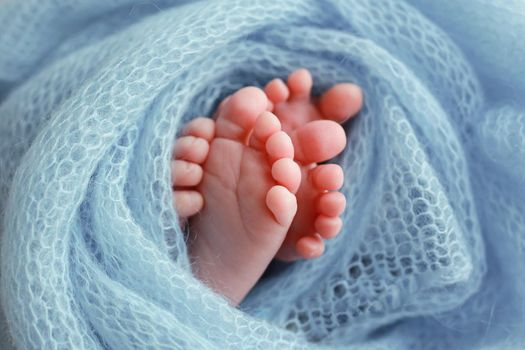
pixel 185 173
pixel 200 127
pixel 331 204
pixel 318 141
pixel 238 116
pixel 300 83
pixel 187 203
pixel 286 172
pixel 279 145
pixel 191 148
pixel 221 107
pixel 266 125
pixel 282 204
pixel 310 247
pixel 328 226
pixel 341 102
pixel 277 91
pixel 327 177
pixel 269 106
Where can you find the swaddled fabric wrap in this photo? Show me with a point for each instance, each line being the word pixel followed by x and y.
pixel 92 94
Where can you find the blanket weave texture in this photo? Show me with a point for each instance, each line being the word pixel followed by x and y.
pixel 93 93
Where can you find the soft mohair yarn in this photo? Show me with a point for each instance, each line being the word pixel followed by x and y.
pixel 432 255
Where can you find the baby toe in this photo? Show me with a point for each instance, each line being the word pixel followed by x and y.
pixel 220 108
pixel 185 173
pixel 192 149
pixel 282 204
pixel 200 127
pixel 341 102
pixel 300 83
pixel 187 203
pixel 327 177
pixel 277 91
pixel 266 125
pixel 279 145
pixel 318 141
pixel 310 247
pixel 327 226
pixel 237 118
pixel 331 204
pixel 286 172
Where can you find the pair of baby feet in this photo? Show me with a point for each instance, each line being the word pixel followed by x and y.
pixel 250 184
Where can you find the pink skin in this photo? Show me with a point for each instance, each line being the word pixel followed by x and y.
pixel 317 136
pixel 248 187
pixel 253 200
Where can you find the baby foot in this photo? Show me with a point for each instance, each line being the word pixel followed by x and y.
pixel 248 181
pixel 317 137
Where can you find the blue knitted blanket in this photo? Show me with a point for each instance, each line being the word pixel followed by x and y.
pixel 93 92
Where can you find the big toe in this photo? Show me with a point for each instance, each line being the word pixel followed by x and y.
pixel 318 141
pixel 237 117
pixel 341 102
